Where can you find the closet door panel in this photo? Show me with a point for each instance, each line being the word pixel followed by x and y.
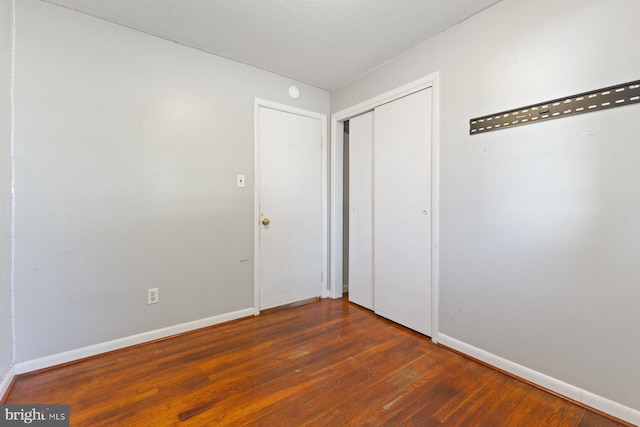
pixel 402 206
pixel 361 210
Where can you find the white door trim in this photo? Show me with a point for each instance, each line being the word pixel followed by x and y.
pixel 336 147
pixel 258 103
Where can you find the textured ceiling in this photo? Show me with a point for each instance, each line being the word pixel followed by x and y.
pixel 325 43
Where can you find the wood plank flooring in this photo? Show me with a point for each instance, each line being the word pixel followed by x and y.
pixel 329 363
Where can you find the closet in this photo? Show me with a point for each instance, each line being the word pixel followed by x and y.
pixel 361 210
pixel 390 210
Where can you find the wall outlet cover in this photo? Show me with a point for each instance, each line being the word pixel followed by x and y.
pixel 152 296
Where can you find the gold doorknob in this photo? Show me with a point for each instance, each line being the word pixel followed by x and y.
pixel 266 221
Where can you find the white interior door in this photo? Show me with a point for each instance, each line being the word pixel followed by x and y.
pixel 361 210
pixel 290 207
pixel 402 206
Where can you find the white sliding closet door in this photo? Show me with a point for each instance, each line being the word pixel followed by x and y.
pixel 361 210
pixel 402 206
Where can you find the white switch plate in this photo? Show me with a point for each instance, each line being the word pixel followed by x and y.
pixel 240 180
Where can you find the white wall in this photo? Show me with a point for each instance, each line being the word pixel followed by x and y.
pixel 127 150
pixel 540 225
pixel 6 334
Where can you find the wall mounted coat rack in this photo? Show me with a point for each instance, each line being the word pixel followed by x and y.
pixel 601 99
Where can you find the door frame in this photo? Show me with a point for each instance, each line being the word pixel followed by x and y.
pixel 260 103
pixel 336 191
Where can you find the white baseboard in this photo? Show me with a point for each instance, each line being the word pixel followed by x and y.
pixel 92 350
pixel 577 394
pixel 6 381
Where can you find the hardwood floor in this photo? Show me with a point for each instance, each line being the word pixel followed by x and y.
pixel 329 363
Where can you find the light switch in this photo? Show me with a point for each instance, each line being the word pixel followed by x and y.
pixel 240 180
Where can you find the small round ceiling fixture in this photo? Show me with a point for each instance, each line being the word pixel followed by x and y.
pixel 294 92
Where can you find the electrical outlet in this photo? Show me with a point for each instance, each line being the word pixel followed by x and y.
pixel 152 296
